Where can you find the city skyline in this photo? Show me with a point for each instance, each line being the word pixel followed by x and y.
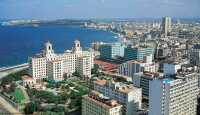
pixel 49 9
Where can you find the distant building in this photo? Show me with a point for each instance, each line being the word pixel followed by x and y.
pixel 171 68
pixel 111 51
pixel 53 66
pixel 96 103
pixel 129 68
pixel 137 53
pixel 174 95
pixel 195 55
pixel 166 25
pixel 127 95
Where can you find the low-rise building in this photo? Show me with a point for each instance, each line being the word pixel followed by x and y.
pixel 96 103
pixel 127 95
pixel 28 81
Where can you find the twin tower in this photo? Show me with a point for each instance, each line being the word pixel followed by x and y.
pixel 48 51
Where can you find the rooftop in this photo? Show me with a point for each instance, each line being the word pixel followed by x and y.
pixel 27 77
pixel 100 82
pixel 99 99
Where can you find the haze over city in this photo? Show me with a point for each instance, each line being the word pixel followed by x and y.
pixel 59 9
pixel 100 57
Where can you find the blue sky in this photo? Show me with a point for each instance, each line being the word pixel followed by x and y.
pixel 54 9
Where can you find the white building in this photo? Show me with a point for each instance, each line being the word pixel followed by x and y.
pixel 171 68
pixel 55 70
pixel 174 96
pixel 127 95
pixel 142 80
pixel 44 65
pixel 38 67
pixel 84 66
pixel 132 67
pixel 96 103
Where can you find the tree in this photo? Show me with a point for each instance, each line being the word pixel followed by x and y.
pixel 31 107
pixel 95 69
pixel 76 73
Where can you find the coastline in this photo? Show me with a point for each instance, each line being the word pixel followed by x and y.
pixel 62 36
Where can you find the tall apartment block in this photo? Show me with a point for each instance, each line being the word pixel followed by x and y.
pixel 96 103
pixel 127 95
pixel 175 95
pixel 195 55
pixel 166 25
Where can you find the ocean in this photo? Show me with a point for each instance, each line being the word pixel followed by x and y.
pixel 17 43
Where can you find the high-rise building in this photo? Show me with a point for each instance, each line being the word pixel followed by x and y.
pixel 166 25
pixel 175 95
pixel 195 55
pixel 142 80
pixel 127 95
pixel 111 51
pixel 137 53
pixel 96 103
pixel 84 66
pixel 171 68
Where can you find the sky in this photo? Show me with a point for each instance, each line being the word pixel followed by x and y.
pixel 59 9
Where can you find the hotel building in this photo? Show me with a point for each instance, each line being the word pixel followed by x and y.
pixel 53 66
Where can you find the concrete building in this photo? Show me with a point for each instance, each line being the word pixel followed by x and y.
pixel 195 55
pixel 174 95
pixel 55 70
pixel 142 80
pixel 96 103
pixel 166 25
pixel 129 68
pixel 127 95
pixel 137 53
pixel 28 81
pixel 38 67
pixel 84 66
pixel 52 66
pixel 111 51
pixel 171 68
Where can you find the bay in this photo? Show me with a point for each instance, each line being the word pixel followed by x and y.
pixel 17 43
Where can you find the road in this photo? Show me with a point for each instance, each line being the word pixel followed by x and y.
pixel 8 106
pixel 4 71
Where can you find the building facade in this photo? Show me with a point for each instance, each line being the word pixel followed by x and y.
pixel 137 53
pixel 53 66
pixel 195 55
pixel 111 51
pixel 174 95
pixel 127 95
pixel 96 103
pixel 166 25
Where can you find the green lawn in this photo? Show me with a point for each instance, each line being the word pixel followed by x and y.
pixel 18 94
